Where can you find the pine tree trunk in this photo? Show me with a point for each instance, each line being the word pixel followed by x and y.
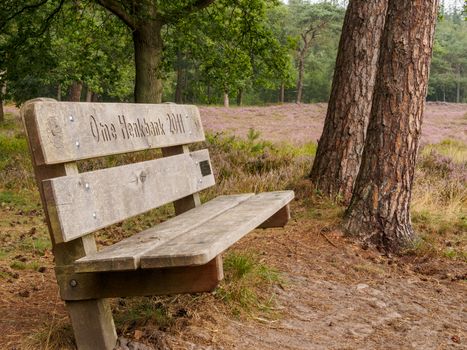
pixel 281 93
pixel 458 85
pixel 379 211
pixel 148 44
pixel 226 99
pixel 341 144
pixel 301 72
pixel 240 97
pixel 74 94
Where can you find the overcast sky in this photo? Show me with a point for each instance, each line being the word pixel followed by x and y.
pixel 449 4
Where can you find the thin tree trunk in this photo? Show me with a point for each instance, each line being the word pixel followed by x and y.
pixel 341 144
pixel 379 212
pixel 59 92
pixel 301 71
pixel 226 99
pixel 281 92
pixel 179 88
pixel 74 94
pixel 240 97
pixel 458 85
pixel 148 59
pixel 2 113
pixel 88 95
pixel 209 93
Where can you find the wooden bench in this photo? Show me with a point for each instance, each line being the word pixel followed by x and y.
pixel 180 255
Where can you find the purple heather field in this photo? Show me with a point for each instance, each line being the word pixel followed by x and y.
pixel 302 123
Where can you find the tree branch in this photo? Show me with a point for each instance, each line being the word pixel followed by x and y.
pixel 118 10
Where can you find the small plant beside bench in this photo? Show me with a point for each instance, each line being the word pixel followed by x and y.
pixel 180 255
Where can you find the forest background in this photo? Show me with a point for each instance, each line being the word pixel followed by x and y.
pixel 282 52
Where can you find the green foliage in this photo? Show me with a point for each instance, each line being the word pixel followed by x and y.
pixel 448 77
pixel 49 47
pixel 15 164
pixel 225 48
pixel 242 47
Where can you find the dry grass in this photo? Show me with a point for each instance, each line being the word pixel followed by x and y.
pixel 439 204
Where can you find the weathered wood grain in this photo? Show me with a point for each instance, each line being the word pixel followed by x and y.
pixel 193 200
pixel 91 285
pixel 125 254
pixel 93 330
pixel 203 243
pixel 92 321
pixel 86 202
pixel 69 131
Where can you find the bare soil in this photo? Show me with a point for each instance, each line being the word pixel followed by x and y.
pixel 335 294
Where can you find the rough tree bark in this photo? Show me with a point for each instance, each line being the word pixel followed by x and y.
pixel 341 144
pixel 148 45
pixel 74 93
pixel 379 212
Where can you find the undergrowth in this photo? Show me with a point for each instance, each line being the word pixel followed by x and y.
pixel 247 287
pixel 439 201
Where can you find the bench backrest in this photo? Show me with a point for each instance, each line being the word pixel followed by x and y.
pixel 80 203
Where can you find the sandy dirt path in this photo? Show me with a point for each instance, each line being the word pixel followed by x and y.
pixel 343 297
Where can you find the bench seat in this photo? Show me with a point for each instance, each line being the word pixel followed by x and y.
pixel 192 238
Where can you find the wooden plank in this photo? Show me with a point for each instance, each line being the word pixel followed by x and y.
pixel 99 333
pixel 210 239
pixel 192 279
pixel 191 201
pixel 69 131
pixel 94 330
pixel 86 202
pixel 125 255
pixel 279 219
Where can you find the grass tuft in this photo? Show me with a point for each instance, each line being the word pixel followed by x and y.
pixel 247 288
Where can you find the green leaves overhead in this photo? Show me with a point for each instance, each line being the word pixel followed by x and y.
pixel 230 44
pixel 81 42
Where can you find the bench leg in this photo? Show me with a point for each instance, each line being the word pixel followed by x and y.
pixel 279 219
pixel 93 324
